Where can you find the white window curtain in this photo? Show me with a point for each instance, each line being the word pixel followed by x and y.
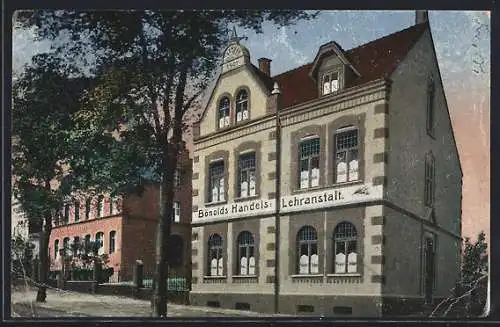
pixel 304 179
pixel 314 177
pixel 353 170
pixel 352 262
pixel 304 264
pixel 341 172
pixel 252 185
pixel 213 267
pixel 314 264
pixel 220 266
pixel 245 114
pixel 215 193
pixel 221 189
pixel 244 189
pixel 221 122
pixel 340 263
pixel 243 266
pixel 251 266
pixel 226 121
pixel 335 85
pixel 239 116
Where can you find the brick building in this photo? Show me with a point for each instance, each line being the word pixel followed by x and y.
pixel 369 180
pixel 127 227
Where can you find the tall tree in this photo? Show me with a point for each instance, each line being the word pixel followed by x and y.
pixel 44 98
pixel 152 67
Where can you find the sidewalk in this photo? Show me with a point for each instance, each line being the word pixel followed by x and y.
pixel 71 304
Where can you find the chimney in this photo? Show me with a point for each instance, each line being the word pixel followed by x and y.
pixel 265 66
pixel 421 16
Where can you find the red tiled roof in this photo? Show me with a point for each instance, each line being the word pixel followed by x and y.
pixel 374 60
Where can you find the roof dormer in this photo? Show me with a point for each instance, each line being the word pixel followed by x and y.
pixel 235 55
pixel 331 70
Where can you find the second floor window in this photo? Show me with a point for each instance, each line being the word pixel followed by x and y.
pixel 77 211
pixel 429 180
pixel 224 112
pixel 247 175
pixel 111 205
pixel 177 212
pixel 66 247
pixel 112 242
pixel 347 155
pixel 56 248
pixel 66 213
pixel 309 162
pixel 242 106
pixel 330 83
pixel 88 204
pixel 217 183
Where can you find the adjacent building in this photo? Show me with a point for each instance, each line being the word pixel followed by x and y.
pixel 370 182
pixel 126 228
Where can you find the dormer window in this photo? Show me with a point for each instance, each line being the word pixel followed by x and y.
pixel 330 82
pixel 224 112
pixel 242 106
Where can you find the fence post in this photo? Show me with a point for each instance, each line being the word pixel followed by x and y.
pixel 139 274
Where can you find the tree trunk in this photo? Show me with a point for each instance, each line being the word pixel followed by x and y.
pixel 159 298
pixel 44 259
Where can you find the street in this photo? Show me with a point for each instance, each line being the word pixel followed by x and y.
pixel 72 304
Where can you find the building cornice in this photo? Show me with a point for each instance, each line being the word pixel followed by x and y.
pixel 349 98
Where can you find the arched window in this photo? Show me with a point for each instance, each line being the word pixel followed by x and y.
pixel 75 247
pixel 112 241
pixel 246 254
pixel 307 251
pixel 56 248
pixel 176 251
pixel 345 242
pixel 66 247
pixel 347 155
pixel 215 260
pixel 87 248
pixel 309 162
pixel 100 200
pixel 224 112
pixel 242 106
pixel 99 239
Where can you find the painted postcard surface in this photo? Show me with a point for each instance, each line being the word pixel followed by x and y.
pixel 250 163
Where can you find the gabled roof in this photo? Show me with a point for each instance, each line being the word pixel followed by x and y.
pixel 327 49
pixel 373 60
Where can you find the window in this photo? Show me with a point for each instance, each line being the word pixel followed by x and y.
pixel 88 204
pixel 330 83
pixel 224 112
pixel 347 155
pixel 215 260
pixel 56 248
pixel 177 177
pixel 345 243
pixel 66 248
pixel 309 162
pixel 242 106
pixel 88 239
pixel 99 239
pixel 66 213
pixel 246 255
pixel 177 211
pixel 429 180
pixel 246 175
pixel 307 250
pixel 216 175
pixel 76 245
pixel 77 211
pixel 100 200
pixel 431 91
pixel 111 200
pixel 112 241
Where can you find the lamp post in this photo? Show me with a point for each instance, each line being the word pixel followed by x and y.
pixel 276 92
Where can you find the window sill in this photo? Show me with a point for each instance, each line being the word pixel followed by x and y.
pixel 344 275
pixel 307 276
pixel 247 198
pixel 214 277
pixel 343 184
pixel 244 276
pixel 305 190
pixel 211 204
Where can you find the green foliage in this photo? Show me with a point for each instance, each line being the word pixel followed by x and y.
pixel 21 257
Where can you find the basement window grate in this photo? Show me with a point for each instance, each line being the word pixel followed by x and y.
pixel 213 304
pixel 305 308
pixel 342 310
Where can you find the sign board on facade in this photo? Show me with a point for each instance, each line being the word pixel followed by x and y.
pixel 302 201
